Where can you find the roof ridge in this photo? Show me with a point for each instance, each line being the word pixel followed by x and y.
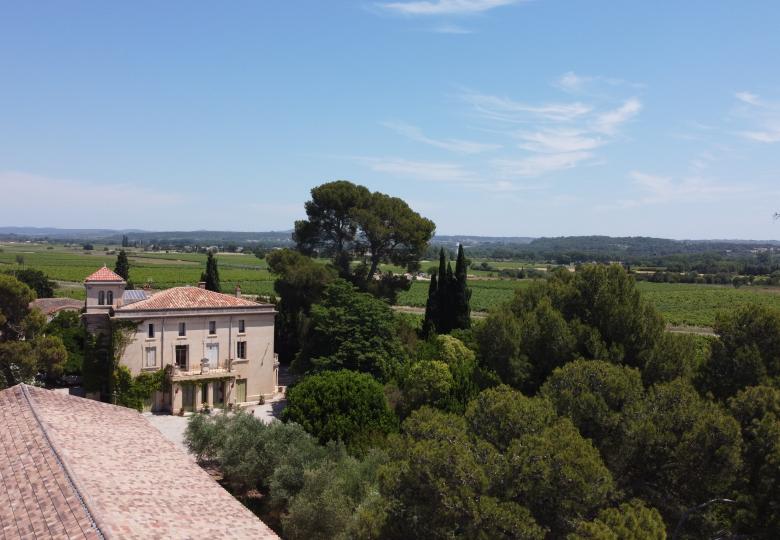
pixel 69 476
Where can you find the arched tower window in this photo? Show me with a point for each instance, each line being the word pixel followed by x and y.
pixel 110 298
pixel 101 298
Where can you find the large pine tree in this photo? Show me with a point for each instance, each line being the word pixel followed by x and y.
pixel 122 267
pixel 211 275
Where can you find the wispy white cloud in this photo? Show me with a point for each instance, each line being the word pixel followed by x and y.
pixel 655 189
pixel 505 109
pixel 453 145
pixel 558 140
pixel 539 164
pixel 435 171
pixel 748 97
pixel 445 7
pixel 762 115
pixel 592 85
pixel 610 121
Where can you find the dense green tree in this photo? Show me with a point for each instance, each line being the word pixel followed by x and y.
pixel 351 330
pixel 746 353
pixel 23 351
pixel 392 232
pixel 594 394
pixel 500 415
pixel 68 326
pixel 431 308
pixel 500 347
pixel 346 221
pixel 558 475
pixel 211 275
pixel 674 356
pixel 758 411
pixel 438 484
pixel 447 307
pixel 299 283
pixel 631 520
pixel 331 228
pixel 340 405
pixel 609 317
pixel 122 267
pixel 36 280
pixel 681 450
pixel 428 382
pixel 339 499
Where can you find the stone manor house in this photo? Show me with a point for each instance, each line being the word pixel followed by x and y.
pixel 219 346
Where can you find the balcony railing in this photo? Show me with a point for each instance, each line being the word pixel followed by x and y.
pixel 203 370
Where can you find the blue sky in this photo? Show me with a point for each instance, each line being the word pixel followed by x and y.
pixel 494 117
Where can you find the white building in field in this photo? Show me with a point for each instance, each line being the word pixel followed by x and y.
pixel 220 347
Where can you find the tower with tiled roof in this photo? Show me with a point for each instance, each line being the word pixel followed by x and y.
pixel 104 293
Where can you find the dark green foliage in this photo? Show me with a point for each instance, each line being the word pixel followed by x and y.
pixel 98 367
pixel 674 356
pixel 500 415
pixel 632 520
pixel 438 484
pixel 36 280
pixel 67 325
pixel 340 406
pixel 211 275
pixel 500 348
pixel 747 352
pixel 122 267
pixel 351 330
pixel 338 500
pixel 447 307
pixel 680 449
pixel 300 282
pixel 24 351
pixel 346 221
pixel 135 392
pixel 594 395
pixel 758 411
pixel 558 475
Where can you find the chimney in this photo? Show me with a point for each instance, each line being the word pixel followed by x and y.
pixel 201 284
pixel 238 291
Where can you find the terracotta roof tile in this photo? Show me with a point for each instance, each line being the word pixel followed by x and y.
pixel 134 482
pixel 104 274
pixel 50 306
pixel 189 298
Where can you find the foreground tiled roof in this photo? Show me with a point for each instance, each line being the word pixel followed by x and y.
pixel 133 482
pixel 189 298
pixel 104 274
pixel 50 306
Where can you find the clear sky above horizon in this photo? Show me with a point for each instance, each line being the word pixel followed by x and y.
pixel 491 117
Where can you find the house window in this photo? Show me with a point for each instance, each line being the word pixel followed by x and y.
pixel 212 327
pixel 241 326
pixel 110 298
pixel 151 357
pixel 182 329
pixel 241 349
pixel 150 331
pixel 101 298
pixel 182 354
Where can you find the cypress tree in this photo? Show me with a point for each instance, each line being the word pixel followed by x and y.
pixel 122 267
pixel 462 294
pixel 431 315
pixel 211 275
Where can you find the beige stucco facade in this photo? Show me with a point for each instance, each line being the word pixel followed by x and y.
pixel 219 348
pixel 257 371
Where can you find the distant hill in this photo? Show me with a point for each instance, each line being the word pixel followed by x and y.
pixel 279 238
